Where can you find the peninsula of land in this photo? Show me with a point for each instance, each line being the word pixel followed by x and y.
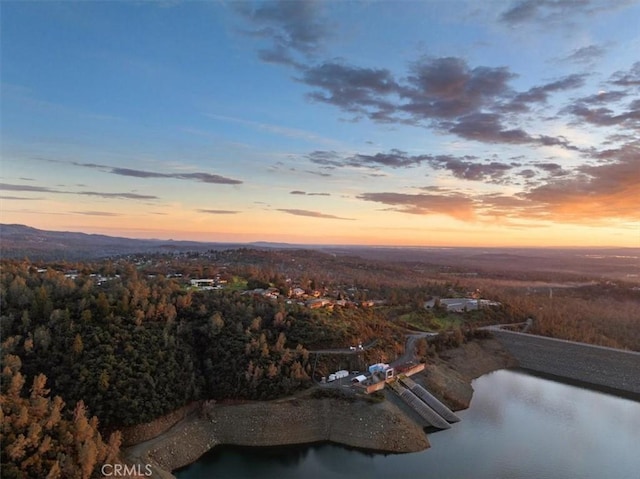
pixel 376 425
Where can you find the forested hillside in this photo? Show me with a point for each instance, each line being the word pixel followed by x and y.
pixel 88 348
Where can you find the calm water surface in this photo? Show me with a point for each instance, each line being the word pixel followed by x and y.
pixel 518 426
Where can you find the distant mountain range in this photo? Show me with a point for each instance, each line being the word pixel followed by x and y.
pixel 20 241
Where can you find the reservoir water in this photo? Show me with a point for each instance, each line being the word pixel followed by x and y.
pixel 518 426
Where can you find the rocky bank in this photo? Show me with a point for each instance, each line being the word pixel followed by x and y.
pixel 358 423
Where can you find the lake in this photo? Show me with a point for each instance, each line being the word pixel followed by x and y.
pixel 518 426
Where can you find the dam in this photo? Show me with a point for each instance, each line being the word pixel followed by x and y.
pixel 615 369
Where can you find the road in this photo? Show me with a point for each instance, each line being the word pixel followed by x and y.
pixel 410 348
pixel 407 357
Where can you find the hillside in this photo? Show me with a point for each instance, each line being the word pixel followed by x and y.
pixel 19 241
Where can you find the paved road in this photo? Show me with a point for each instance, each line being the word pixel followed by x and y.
pixel 410 348
pixel 407 357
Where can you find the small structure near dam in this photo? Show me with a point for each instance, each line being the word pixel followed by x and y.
pixel 416 398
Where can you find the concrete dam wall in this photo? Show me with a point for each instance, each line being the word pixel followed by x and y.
pixel 607 367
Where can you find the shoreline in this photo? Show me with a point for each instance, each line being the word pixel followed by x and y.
pixel 380 428
pixel 375 427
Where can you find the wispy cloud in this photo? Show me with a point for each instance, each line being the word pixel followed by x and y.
pixel 549 12
pixel 586 55
pixel 129 196
pixel 201 177
pixel 19 198
pixel 465 167
pixel 304 193
pixel 39 189
pixel 96 213
pixel 288 132
pixel 218 212
pixel 313 214
pixel 43 189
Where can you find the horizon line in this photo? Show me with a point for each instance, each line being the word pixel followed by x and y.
pixel 311 245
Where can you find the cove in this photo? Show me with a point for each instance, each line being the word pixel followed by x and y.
pixel 518 426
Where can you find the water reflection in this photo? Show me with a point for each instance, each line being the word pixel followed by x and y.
pixel 518 426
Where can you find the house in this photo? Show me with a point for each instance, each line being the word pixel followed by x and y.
pixel 319 303
pixel 459 305
pixel 203 283
pixel 297 292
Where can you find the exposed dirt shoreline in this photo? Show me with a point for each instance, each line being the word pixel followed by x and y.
pixel 381 427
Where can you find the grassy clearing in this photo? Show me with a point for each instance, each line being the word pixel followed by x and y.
pixel 237 284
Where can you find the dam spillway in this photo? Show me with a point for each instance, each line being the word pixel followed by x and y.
pixel 431 401
pixel 419 406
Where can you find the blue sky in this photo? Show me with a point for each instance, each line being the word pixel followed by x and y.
pixel 410 123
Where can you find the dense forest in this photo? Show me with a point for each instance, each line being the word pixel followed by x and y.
pixel 89 348
pixel 126 347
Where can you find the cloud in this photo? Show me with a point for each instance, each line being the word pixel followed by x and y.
pixel 96 213
pixel 527 173
pixel 446 94
pixel 588 199
pixel 553 169
pixel 275 129
pixel 456 205
pixel 448 87
pixel 42 189
pixel 195 176
pixel 488 128
pixel 600 193
pixel 546 12
pixel 521 11
pixel 354 89
pixel 201 177
pixel 586 54
pixel 218 212
pixel 292 28
pixel 594 193
pixel 629 78
pixel 298 192
pixel 129 196
pixel 471 170
pixel 604 116
pixel 604 97
pixel 39 189
pixel 326 158
pixel 540 94
pixel 312 214
pixel 318 173
pixel 464 167
pixel 20 198
pixel 394 159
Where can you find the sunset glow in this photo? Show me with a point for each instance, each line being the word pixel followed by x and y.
pixel 374 123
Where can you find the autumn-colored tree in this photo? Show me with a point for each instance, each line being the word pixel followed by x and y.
pixel 39 441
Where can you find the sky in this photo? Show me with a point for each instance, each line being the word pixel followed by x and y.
pixel 422 123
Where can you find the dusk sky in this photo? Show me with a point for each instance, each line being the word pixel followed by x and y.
pixel 434 123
